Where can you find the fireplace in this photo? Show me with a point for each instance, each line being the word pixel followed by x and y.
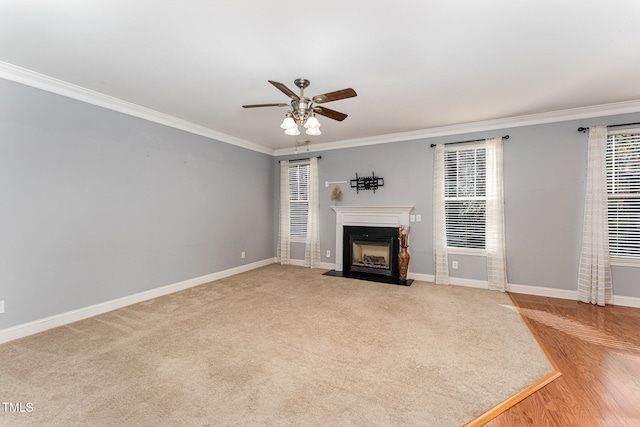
pixel 372 250
pixel 367 243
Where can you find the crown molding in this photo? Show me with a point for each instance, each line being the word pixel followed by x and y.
pixel 40 81
pixel 603 110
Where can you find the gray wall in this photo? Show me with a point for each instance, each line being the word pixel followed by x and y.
pixel 407 182
pixel 98 205
pixel 545 176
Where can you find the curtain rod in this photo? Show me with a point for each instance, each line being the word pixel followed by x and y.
pixel 301 160
pixel 582 129
pixel 471 140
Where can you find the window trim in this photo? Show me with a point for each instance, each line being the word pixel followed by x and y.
pixel 620 261
pixel 454 250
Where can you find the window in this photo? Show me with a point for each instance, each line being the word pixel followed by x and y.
pixel 299 198
pixel 465 197
pixel 623 191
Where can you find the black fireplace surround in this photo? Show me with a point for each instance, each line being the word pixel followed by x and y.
pixel 382 242
pixel 371 253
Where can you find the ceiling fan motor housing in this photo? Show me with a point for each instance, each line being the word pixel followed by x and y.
pixel 301 110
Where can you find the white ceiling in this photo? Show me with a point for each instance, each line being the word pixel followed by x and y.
pixel 415 65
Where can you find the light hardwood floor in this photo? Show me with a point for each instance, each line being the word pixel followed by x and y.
pixel 597 350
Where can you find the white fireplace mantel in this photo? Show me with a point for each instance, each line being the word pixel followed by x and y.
pixel 367 216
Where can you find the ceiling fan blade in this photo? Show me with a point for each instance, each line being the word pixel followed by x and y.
pixel 284 89
pixel 265 105
pixel 334 96
pixel 332 114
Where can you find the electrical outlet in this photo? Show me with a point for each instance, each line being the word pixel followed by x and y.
pixel 243 254
pixel 1 307
pixel 454 265
pixel 328 253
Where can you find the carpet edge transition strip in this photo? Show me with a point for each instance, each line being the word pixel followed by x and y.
pixel 518 397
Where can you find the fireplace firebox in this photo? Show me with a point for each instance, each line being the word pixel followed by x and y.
pixel 371 250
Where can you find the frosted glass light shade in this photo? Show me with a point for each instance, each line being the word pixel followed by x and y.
pixel 313 131
pixel 292 131
pixel 288 123
pixel 312 123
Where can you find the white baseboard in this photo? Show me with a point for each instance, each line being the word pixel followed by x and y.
pixel 526 289
pixel 568 294
pixel 626 301
pixel 327 266
pixel 30 328
pixel 542 292
pixel 323 265
pixel 421 277
pixel 470 283
pixel 456 281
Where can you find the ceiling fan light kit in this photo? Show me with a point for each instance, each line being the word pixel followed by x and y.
pixel 303 110
pixel 312 123
pixel 288 123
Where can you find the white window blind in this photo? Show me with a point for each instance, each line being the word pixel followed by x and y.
pixel 623 190
pixel 299 198
pixel 465 197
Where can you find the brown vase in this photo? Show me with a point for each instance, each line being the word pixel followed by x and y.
pixel 403 262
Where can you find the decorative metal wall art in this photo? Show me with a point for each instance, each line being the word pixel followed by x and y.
pixel 367 182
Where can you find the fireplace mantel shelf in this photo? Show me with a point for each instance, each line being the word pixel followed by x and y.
pixel 373 209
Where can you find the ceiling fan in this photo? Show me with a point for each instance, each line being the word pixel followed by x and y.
pixel 302 109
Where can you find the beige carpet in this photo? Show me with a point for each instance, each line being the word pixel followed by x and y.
pixel 278 346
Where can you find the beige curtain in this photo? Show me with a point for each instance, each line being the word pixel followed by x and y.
pixel 312 246
pixel 440 258
pixel 495 235
pixel 594 276
pixel 284 229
